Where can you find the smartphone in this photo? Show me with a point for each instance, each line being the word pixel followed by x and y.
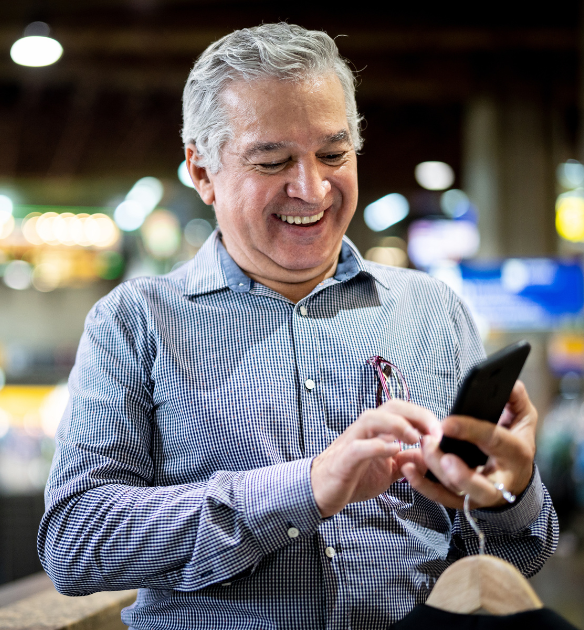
pixel 483 395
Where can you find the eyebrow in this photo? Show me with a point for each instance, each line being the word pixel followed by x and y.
pixel 267 147
pixel 334 138
pixel 264 147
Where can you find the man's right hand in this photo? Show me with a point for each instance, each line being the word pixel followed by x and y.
pixel 366 459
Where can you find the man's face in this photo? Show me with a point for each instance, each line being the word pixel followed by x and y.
pixel 290 156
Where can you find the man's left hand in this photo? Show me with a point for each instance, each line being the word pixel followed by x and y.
pixel 510 445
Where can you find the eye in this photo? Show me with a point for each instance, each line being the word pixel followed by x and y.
pixel 271 167
pixel 334 158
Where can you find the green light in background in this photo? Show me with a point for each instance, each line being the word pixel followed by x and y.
pixel 109 265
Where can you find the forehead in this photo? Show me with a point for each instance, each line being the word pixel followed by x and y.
pixel 293 112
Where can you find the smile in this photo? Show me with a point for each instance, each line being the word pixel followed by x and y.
pixel 301 220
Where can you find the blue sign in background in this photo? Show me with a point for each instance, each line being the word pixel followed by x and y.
pixel 524 293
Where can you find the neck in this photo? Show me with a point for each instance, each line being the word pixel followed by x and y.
pixel 291 289
pixel 295 291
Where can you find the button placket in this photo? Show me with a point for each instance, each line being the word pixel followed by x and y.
pixel 307 363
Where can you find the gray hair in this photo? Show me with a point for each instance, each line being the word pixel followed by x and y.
pixel 282 51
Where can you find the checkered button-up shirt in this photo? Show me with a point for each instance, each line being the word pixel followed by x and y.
pixel 197 403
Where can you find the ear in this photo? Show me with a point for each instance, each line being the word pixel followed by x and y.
pixel 203 184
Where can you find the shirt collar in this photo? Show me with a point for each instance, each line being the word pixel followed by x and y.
pixel 213 269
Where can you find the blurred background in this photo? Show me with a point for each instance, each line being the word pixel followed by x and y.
pixel 472 171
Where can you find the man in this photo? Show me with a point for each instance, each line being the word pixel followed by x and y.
pixel 222 449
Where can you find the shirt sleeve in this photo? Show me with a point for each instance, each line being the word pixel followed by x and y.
pixel 524 533
pixel 106 527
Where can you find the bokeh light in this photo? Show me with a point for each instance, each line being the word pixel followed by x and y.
pixel 44 228
pixel 36 51
pixel 184 175
pixel 392 256
pixel 6 218
pixel 515 275
pixel 83 230
pixel 431 242
pixel 570 174
pixel 129 216
pixel 29 230
pixel 6 205
pixel 197 231
pixel 109 265
pixel 18 275
pixel 5 419
pixel 53 408
pixel 454 203
pixel 570 216
pixel 46 277
pixel 434 175
pixel 386 211
pixel 161 234
pixel 147 192
pixel 6 224
pixel 139 203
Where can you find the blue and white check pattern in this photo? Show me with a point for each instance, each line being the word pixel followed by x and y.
pixel 183 459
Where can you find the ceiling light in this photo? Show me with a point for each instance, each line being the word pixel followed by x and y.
pixel 434 175
pixel 386 211
pixel 36 49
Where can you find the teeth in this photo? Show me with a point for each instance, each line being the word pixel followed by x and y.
pixel 301 220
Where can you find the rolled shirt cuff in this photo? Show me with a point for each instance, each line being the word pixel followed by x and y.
pixel 519 515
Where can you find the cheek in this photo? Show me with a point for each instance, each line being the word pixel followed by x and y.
pixel 346 181
pixel 346 184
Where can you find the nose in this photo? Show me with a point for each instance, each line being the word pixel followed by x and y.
pixel 308 182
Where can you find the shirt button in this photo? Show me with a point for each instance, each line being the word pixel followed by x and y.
pixel 303 311
pixel 330 552
pixel 293 532
pixel 309 384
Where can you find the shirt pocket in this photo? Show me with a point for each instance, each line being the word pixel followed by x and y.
pixel 434 390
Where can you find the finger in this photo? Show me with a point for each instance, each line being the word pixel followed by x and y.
pixel 434 491
pixel 519 408
pixel 467 481
pixel 380 421
pixel 420 417
pixel 364 450
pixel 414 456
pixel 492 439
pixel 432 455
pixel 482 492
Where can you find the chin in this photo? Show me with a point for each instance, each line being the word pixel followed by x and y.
pixel 299 258
pixel 302 264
